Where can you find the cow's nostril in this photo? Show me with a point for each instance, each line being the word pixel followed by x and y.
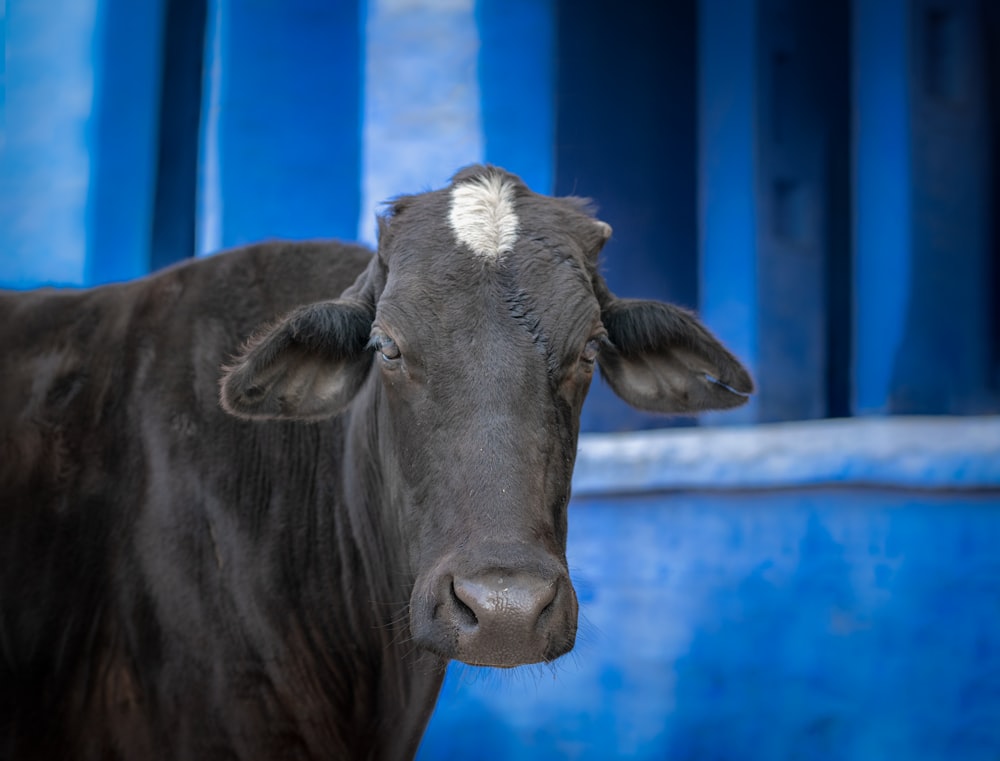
pixel 544 614
pixel 465 615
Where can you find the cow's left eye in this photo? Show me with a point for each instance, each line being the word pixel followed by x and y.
pixel 386 348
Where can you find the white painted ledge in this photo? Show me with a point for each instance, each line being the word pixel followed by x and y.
pixel 910 452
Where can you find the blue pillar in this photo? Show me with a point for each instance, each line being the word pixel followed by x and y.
pixel 774 221
pixel 280 122
pixel 943 365
pixel 174 213
pixel 517 87
pixel 625 136
pixel 45 172
pixel 923 208
pixel 727 193
pixel 451 84
pixel 124 136
pixel 422 115
pixel 803 229
pixel 882 193
pixel 80 141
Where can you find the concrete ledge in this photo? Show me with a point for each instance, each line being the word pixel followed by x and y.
pixel 910 452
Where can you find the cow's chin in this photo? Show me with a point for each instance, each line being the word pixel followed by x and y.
pixel 507 657
pixel 497 618
pixel 496 651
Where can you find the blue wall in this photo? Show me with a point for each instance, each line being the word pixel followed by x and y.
pixel 46 157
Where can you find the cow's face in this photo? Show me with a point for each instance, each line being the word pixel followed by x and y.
pixel 473 336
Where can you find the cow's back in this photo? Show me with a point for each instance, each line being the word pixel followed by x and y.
pixel 109 431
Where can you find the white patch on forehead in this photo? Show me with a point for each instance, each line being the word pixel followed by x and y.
pixel 482 216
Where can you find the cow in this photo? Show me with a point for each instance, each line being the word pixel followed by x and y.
pixel 253 504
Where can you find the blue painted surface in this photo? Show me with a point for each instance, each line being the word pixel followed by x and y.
pixel 882 196
pixel 124 139
pixel 905 452
pixel 422 116
pixel 281 122
pixel 176 182
pixel 626 137
pixel 727 201
pixel 768 625
pixel 940 366
pixel 45 162
pixel 516 72
pixel 804 225
pixel 452 84
pixel 669 115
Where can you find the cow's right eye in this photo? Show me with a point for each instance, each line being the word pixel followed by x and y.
pixel 589 354
pixel 387 348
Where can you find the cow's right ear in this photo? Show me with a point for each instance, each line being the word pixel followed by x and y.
pixel 661 358
pixel 308 366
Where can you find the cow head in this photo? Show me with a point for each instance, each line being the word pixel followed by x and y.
pixel 469 344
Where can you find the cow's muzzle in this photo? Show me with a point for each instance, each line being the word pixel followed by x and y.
pixel 496 617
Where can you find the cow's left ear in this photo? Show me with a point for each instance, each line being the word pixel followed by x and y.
pixel 662 359
pixel 308 366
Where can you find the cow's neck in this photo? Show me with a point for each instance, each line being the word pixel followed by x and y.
pixel 375 572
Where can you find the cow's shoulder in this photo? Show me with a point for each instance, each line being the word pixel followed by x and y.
pixel 259 278
pixel 79 367
pixel 81 370
pixel 75 362
pixel 58 362
pixel 192 319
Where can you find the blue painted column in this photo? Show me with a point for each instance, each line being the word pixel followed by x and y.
pixel 79 141
pixel 44 164
pixel 448 84
pixel 944 360
pixel 174 212
pixel 124 135
pixel 803 229
pixel 517 72
pixel 882 192
pixel 625 136
pixel 923 207
pixel 774 181
pixel 422 115
pixel 280 122
pixel 727 200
